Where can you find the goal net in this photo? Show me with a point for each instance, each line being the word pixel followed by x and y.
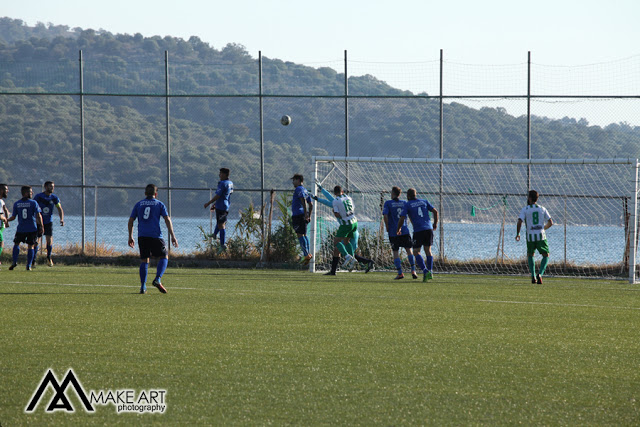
pixel 593 204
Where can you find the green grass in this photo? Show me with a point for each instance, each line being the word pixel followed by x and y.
pixel 277 347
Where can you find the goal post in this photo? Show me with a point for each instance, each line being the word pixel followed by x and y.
pixel 593 203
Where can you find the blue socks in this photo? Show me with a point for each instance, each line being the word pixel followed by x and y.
pixel 215 232
pixel 430 263
pixel 16 252
pixel 412 261
pixel 223 234
pixel 144 272
pixel 31 254
pixel 398 264
pixel 304 245
pixel 49 251
pixel 144 269
pixel 420 263
pixel 162 267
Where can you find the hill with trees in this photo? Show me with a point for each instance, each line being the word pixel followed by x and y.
pixel 215 115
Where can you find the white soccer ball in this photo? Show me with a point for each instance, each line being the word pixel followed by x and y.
pixel 285 120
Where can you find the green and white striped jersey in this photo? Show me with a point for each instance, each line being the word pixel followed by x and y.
pixel 343 205
pixel 535 217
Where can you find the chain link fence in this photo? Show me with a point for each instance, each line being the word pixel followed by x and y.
pixel 103 128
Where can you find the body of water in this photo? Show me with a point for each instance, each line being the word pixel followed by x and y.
pixel 585 245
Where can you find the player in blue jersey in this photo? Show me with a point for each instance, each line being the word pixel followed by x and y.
pixel 29 225
pixel 352 245
pixel 4 214
pixel 47 200
pixel 301 215
pixel 148 212
pixel 418 212
pixel 221 206
pixel 391 211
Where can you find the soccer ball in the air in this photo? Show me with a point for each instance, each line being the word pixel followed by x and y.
pixel 285 120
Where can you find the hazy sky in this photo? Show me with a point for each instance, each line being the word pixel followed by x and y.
pixel 316 33
pixel 560 32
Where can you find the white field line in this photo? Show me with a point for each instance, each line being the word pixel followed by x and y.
pixel 556 304
pixel 88 285
pixel 254 291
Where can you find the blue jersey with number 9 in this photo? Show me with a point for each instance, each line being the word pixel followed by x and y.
pixel 418 211
pixel 148 212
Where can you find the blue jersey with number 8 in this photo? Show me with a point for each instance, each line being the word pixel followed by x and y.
pixel 418 211
pixel 148 212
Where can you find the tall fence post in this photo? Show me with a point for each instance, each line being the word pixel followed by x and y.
pixel 95 220
pixel 168 130
pixel 82 172
pixel 633 223
pixel 261 144
pixel 441 207
pixel 529 119
pixel 346 117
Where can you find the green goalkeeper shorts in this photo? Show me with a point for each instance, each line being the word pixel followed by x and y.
pixel 347 230
pixel 541 245
pixel 1 232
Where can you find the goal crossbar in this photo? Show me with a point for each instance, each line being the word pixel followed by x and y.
pixel 597 161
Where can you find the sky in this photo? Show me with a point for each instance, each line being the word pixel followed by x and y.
pixel 557 32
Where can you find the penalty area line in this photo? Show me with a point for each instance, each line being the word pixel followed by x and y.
pixel 557 304
pixel 88 285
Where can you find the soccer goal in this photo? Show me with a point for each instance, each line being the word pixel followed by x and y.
pixel 593 204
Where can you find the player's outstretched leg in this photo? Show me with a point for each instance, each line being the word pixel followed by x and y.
pixel 363 260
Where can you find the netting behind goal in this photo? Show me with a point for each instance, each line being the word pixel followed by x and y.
pixel 591 202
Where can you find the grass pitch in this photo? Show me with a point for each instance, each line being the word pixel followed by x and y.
pixel 237 347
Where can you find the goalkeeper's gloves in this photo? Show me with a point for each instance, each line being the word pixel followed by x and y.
pixel 314 197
